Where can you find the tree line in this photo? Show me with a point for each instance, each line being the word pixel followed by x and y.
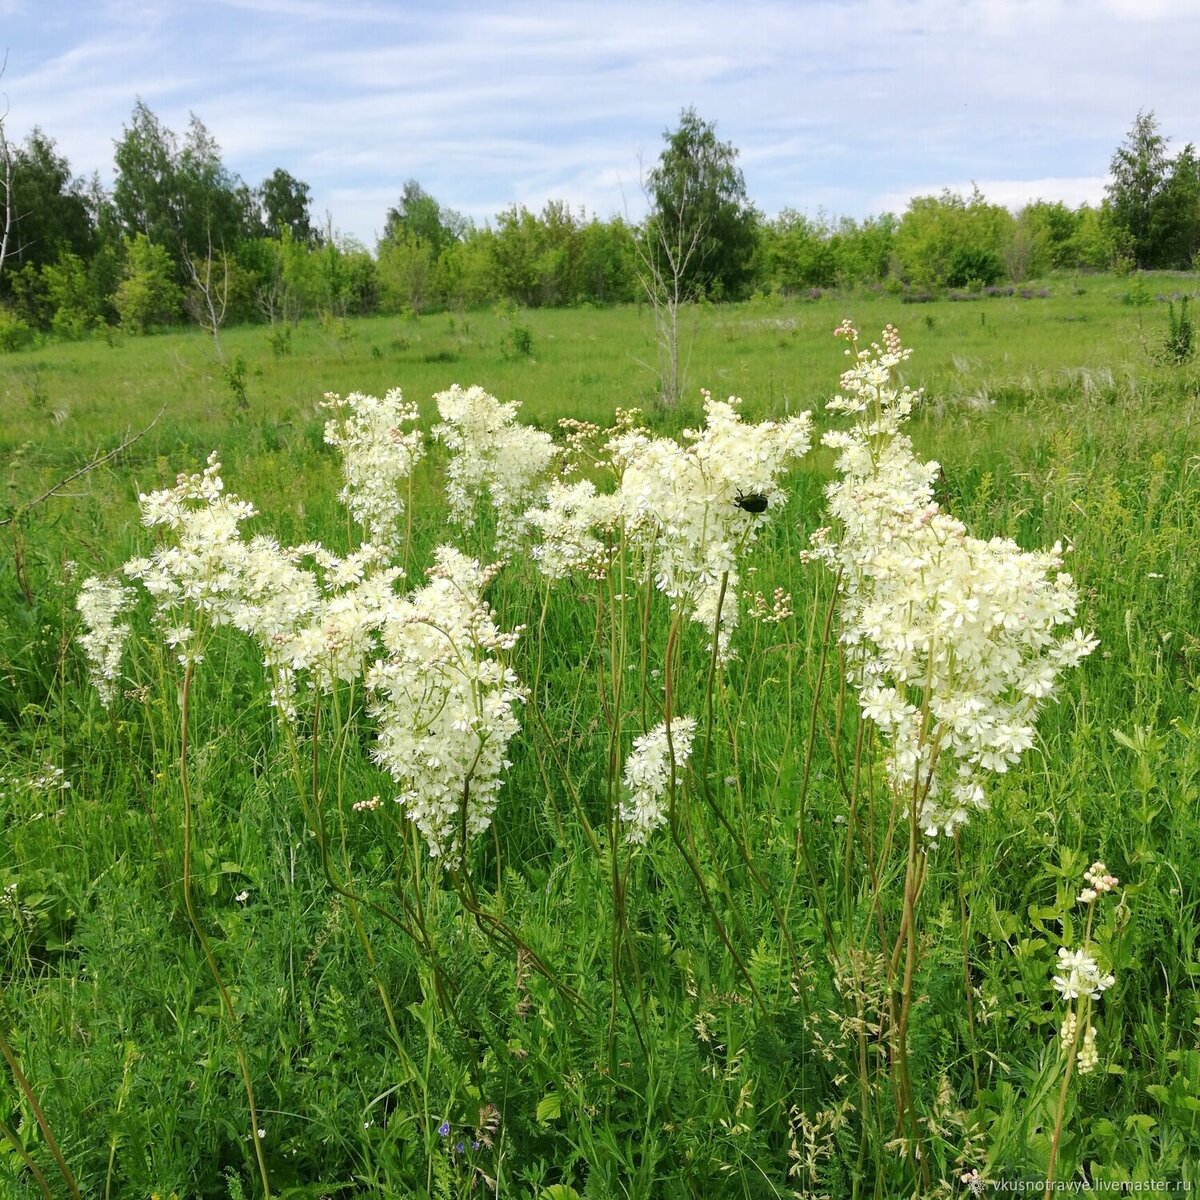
pixel 179 235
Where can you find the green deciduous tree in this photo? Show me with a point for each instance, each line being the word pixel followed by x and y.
pixel 407 273
pixel 50 210
pixel 285 203
pixel 147 295
pixel 180 197
pixel 698 202
pixel 952 240
pixel 70 296
pixel 794 253
pixel 145 191
pixel 1139 170
pixel 1175 216
pixel 419 215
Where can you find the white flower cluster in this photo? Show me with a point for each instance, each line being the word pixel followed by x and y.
pixel 953 642
pixel 687 505
pixel 377 456
pixel 689 510
pixel 648 775
pixel 575 525
pixel 100 603
pixel 316 621
pixel 1079 975
pixel 445 703
pixel 1081 980
pixel 491 455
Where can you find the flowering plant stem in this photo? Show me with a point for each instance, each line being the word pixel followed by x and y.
pixel 803 853
pixel 706 788
pixel 1083 1013
pixel 202 937
pixel 675 818
pixel 27 1091
pixel 415 931
pixel 622 946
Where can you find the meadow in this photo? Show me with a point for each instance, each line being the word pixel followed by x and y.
pixel 232 966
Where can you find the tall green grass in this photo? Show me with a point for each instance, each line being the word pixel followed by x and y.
pixel 681 1073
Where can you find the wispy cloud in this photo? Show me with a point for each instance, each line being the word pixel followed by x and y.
pixel 844 105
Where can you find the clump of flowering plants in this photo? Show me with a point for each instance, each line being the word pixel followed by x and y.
pixel 952 642
pixel 661 691
pixel 443 701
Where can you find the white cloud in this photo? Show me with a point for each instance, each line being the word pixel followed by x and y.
pixel 844 105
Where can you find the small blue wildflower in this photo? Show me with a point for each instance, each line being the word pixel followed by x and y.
pixel 444 1129
pixel 458 1147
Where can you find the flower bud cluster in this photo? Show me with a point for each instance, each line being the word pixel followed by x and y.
pixel 648 776
pixel 445 703
pixel 953 642
pixel 492 456
pixel 1099 881
pixel 377 456
pixel 1087 1056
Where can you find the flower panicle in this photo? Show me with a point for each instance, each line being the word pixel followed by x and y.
pixel 954 642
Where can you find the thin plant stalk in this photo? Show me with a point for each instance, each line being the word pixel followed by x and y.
pixel 202 937
pixel 27 1159
pixel 39 1115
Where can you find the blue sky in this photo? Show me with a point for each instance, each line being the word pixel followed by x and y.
pixel 850 106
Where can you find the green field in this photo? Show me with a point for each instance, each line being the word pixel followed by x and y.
pixel 711 1015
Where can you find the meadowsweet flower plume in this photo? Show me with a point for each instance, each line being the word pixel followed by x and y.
pixel 100 603
pixel 576 526
pixel 647 776
pixel 680 507
pixel 445 703
pixel 312 613
pixel 682 501
pixel 378 455
pixel 492 457
pixel 953 642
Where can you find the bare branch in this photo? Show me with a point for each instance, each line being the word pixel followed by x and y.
pixel 6 172
pixel 208 301
pixel 665 251
pixel 24 509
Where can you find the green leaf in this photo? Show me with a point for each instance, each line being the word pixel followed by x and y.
pixel 549 1108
